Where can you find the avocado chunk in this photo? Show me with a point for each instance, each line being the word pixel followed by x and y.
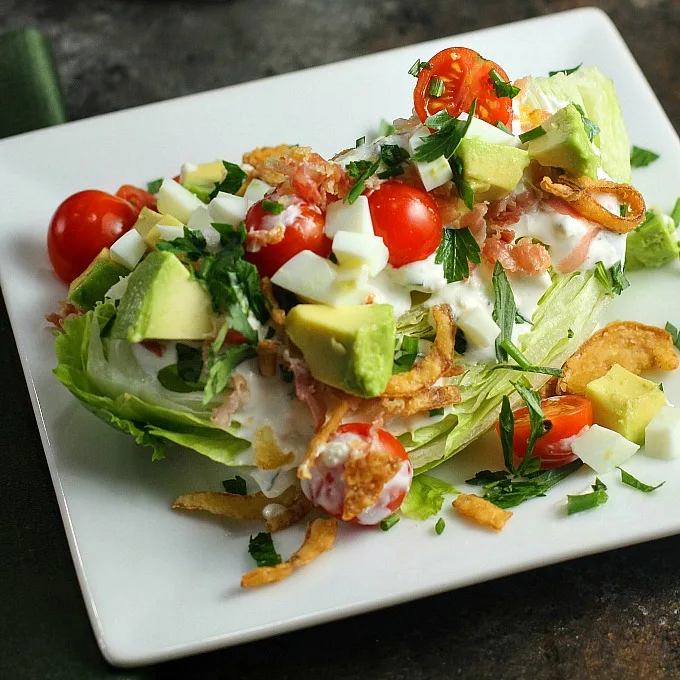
pixel 201 179
pixel 163 302
pixel 350 348
pixel 625 402
pixel 653 243
pixel 491 170
pixel 92 285
pixel 565 144
pixel 148 223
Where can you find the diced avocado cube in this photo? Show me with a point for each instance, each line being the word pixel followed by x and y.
pixel 491 170
pixel 203 173
pixel 653 243
pixel 565 144
pixel 625 402
pixel 350 348
pixel 92 285
pixel 163 302
pixel 148 223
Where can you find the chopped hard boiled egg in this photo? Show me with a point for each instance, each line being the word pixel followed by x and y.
pixel 177 201
pixel 662 435
pixel 201 220
pixel 256 191
pixel 360 250
pixel 479 328
pixel 228 209
pixel 129 249
pixel 354 217
pixel 169 232
pixel 480 129
pixel 434 173
pixel 315 279
pixel 603 449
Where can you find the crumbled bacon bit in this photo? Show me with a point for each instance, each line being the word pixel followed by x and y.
pixel 66 311
pixel 447 202
pixel 475 221
pixel 524 256
pixel 509 209
pixel 154 346
pixel 221 416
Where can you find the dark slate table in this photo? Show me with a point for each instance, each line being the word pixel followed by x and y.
pixel 614 615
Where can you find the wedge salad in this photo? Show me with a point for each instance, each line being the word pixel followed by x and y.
pixel 331 329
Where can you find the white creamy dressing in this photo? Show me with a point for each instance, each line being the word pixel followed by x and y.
pixel 393 487
pixel 370 151
pixel 151 363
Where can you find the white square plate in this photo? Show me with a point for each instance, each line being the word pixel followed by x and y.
pixel 158 584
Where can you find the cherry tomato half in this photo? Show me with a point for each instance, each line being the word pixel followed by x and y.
pixel 408 220
pixel 137 197
pixel 304 226
pixel 326 488
pixel 81 226
pixel 568 415
pixel 465 75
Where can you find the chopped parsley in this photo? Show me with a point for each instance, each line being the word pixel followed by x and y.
pixel 675 333
pixel 464 189
pixel 232 182
pixel 627 478
pixel 592 130
pixel 502 87
pixel 392 156
pixel 641 158
pixel 449 132
pixel 389 522
pixel 408 353
pixel 154 187
pixel 455 252
pixel 237 486
pixel 418 66
pixel 613 279
pixel 504 310
pixel 566 71
pixel 272 207
pixel 523 364
pixel 440 526
pixel 588 501
pixel 262 550
pixel 534 133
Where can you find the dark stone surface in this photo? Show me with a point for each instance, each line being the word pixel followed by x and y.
pixel 610 616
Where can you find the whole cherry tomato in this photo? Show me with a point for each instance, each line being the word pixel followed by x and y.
pixel 81 226
pixel 408 220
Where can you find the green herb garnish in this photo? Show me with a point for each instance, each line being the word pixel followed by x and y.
pixel 435 87
pixel 523 364
pixel 502 126
pixel 449 133
pixel 272 207
pixel 566 71
pixel 465 191
pixel 418 66
pixel 588 501
pixel 237 486
pixel 360 141
pixel 368 169
pixel 613 279
pixel 440 526
pixel 534 133
pixel 262 550
pixel 675 333
pixel 539 425
pixel 392 156
pixel 484 477
pixel 455 252
pixel 675 213
pixel 385 128
pixel 502 87
pixel 232 182
pixel 154 187
pixel 592 130
pixel 436 412
pixel 627 478
pixel 640 158
pixel 389 522
pixel 504 310
pixel 506 426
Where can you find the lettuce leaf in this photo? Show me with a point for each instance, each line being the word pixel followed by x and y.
pixel 105 376
pixel 426 497
pixel 573 303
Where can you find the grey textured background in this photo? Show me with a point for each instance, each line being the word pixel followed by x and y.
pixel 610 616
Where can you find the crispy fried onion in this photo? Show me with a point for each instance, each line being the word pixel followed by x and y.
pixel 581 195
pixel 291 514
pixel 424 400
pixel 437 363
pixel 481 511
pixel 319 538
pixel 261 159
pixel 365 476
pixel 333 420
pixel 233 505
pixel 267 357
pixel 268 453
pixel 278 316
pixel 630 344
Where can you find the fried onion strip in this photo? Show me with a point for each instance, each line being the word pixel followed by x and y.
pixel 278 316
pixel 298 509
pixel 438 362
pixel 333 420
pixel 267 357
pixel 425 400
pixel 232 505
pixel 481 511
pixel 581 194
pixel 630 344
pixel 319 538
